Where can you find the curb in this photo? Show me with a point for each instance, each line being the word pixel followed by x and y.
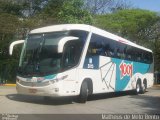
pixel 8 85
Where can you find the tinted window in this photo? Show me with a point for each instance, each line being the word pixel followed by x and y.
pixel 96 46
pixel 106 47
pixel 101 46
pixel 71 54
pixel 147 57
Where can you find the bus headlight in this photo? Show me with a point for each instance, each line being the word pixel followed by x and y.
pixel 59 79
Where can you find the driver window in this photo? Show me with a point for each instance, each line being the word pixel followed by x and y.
pixel 71 54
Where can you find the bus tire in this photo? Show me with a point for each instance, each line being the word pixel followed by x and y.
pixel 144 87
pixel 138 88
pixel 83 93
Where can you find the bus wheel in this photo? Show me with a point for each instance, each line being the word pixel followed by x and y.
pixel 138 88
pixel 83 93
pixel 144 87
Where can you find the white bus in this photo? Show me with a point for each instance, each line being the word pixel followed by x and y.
pixel 81 60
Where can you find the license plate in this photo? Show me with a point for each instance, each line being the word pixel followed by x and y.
pixel 32 90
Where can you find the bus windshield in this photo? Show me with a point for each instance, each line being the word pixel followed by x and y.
pixel 40 55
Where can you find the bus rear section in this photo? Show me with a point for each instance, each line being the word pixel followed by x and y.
pixel 113 65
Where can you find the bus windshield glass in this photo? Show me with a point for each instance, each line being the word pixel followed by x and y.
pixel 40 55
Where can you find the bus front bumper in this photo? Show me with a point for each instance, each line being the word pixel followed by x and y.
pixel 49 90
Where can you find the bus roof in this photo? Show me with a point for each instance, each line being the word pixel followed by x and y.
pixel 89 28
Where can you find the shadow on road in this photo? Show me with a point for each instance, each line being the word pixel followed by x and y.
pixel 39 99
pixel 110 95
pixel 62 100
pixel 149 103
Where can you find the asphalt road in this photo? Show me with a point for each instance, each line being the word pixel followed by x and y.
pixel 115 103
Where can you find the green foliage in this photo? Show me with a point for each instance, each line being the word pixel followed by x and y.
pixel 66 12
pixel 9 24
pixel 133 24
pixel 72 12
pixel 7 6
pixel 32 7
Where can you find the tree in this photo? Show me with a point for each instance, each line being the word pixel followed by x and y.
pixel 65 12
pixel 32 7
pixel 155 43
pixel 73 12
pixel 98 6
pixel 120 5
pixel 106 6
pixel 8 24
pixel 8 6
pixel 133 24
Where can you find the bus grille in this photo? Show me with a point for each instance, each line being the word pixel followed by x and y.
pixel 37 84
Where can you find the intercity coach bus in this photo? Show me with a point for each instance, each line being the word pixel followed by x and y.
pixel 81 60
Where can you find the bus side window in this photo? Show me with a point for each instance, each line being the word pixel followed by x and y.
pixel 118 53
pixel 129 54
pixel 139 55
pixel 71 54
pixel 96 46
pixel 109 47
pixel 147 56
pixel 120 50
pixel 109 53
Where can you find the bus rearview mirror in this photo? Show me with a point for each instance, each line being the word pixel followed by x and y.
pixel 13 44
pixel 63 41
